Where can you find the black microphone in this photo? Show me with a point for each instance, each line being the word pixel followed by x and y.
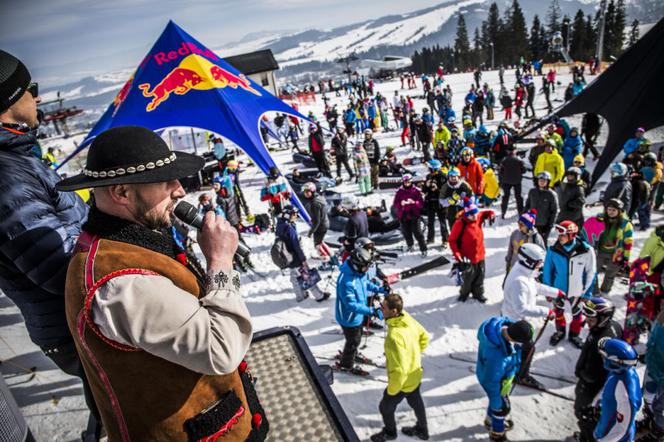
pixel 188 214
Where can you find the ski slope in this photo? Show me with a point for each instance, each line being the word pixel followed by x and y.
pixel 456 404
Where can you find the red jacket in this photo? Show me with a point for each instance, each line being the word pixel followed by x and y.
pixel 470 237
pixel 473 174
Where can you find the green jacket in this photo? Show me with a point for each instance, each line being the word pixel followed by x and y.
pixel 654 248
pixel 624 238
pixel 406 340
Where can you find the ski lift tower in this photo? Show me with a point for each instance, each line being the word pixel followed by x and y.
pixel 600 31
pixel 558 46
pixel 346 60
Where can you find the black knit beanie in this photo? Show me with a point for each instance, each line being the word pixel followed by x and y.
pixel 14 80
pixel 520 331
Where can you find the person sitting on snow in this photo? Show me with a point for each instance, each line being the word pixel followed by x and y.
pixel 498 361
pixel 405 341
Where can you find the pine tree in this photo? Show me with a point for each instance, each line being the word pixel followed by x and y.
pixel 479 52
pixel 517 33
pixel 609 18
pixel 578 50
pixel 494 27
pixel 553 19
pixel 633 33
pixel 618 32
pixel 461 45
pixel 537 46
pixel 590 40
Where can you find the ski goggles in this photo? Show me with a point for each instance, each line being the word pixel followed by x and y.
pixel 33 88
pixel 562 230
pixel 589 309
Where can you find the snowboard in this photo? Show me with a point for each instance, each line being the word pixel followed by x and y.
pixel 417 270
pixel 593 228
pixel 640 306
pixel 533 372
pixel 311 279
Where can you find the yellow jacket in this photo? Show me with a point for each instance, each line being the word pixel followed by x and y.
pixel 491 186
pixel 555 137
pixel 552 163
pixel 406 340
pixel 441 135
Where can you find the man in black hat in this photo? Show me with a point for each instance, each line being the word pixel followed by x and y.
pixel 39 225
pixel 144 311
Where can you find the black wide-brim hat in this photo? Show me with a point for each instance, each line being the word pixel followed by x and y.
pixel 131 155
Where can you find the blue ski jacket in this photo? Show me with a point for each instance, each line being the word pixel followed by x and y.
pixel 621 400
pixel 352 294
pixel 573 271
pixel 497 359
pixel 572 147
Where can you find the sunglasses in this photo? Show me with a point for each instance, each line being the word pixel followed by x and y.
pixel 33 88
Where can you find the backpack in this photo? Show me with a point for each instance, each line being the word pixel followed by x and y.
pixel 281 257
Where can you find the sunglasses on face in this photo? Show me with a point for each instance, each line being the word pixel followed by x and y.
pixel 33 88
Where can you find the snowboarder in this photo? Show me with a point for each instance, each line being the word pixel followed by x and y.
pixel 571 267
pixel 353 287
pixel 467 244
pixel 622 392
pixel 614 245
pixel 498 361
pixel 511 175
pixel 408 204
pixel 300 272
pixel 502 143
pixel 590 126
pixel 405 341
pixel 545 202
pixel 589 368
pixel 524 234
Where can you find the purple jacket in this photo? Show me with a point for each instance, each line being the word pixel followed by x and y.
pixel 408 211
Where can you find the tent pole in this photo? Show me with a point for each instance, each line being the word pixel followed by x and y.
pixel 193 140
pixel 600 37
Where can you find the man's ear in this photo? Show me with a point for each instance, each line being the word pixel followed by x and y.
pixel 119 194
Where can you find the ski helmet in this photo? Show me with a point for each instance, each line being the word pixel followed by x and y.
pixel 368 132
pixel 350 202
pixel 484 162
pixel 650 158
pixel 360 260
pixel 273 173
pixel 364 243
pixel 618 169
pixel 544 176
pixel 615 203
pixel 288 211
pixel 454 172
pixel 573 171
pixel 599 308
pixel 467 151
pixel 640 290
pixel 617 354
pixel 567 228
pixel 309 186
pixel 580 159
pixel 406 178
pixel 434 164
pixel 531 255
pixel 232 165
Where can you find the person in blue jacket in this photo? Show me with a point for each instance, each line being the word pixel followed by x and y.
pixel 633 144
pixel 349 120
pixel 353 287
pixel 651 427
pixel 572 147
pixel 621 397
pixel 498 362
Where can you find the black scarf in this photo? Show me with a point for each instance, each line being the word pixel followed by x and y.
pixel 117 229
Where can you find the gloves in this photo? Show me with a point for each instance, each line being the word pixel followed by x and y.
pixel 576 310
pixel 444 202
pixel 492 219
pixel 559 303
pixel 377 313
pixel 551 315
pixel 561 295
pixel 506 386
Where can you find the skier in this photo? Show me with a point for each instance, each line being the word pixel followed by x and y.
pixel 614 245
pixel 340 147
pixel 571 267
pixel 353 286
pixel 373 153
pixel 408 203
pixel 651 428
pixel 300 272
pixel 467 244
pixel 550 161
pixel 405 341
pixel 589 368
pixel 498 361
pixel 545 201
pixel 622 395
pixel 524 234
pixel 511 175
pixel 317 209
pixel 452 195
pixel 276 191
pixel 434 181
pixel 520 300
pixel 571 198
pixel 620 187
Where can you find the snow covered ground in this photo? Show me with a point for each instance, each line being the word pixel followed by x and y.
pixel 456 404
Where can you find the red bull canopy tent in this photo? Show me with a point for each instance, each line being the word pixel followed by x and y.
pixel 180 82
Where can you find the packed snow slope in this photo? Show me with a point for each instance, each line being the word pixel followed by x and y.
pixel 456 404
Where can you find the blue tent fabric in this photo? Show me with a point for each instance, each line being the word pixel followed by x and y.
pixel 183 83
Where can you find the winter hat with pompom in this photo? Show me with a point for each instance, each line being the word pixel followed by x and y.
pixel 528 219
pixel 469 207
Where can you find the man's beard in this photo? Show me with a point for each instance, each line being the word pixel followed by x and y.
pixel 148 217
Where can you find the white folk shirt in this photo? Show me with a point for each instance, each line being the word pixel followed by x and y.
pixel 520 294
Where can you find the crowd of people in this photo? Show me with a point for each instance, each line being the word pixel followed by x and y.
pixel 137 304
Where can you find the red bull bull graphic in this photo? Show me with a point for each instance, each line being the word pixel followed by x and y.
pixel 193 72
pixel 122 95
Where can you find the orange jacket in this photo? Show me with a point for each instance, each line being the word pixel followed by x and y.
pixel 472 173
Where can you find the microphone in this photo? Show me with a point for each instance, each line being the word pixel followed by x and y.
pixel 188 214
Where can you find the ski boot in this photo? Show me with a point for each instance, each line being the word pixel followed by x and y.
pixel 531 382
pixel 305 295
pixel 576 341
pixel 497 437
pixel 481 299
pixel 375 325
pixel 325 296
pixel 415 431
pixel 383 436
pixel 444 245
pixel 509 424
pixel 556 337
pixel 355 370
pixel 423 253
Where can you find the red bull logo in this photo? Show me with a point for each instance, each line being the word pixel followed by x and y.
pixel 193 72
pixel 122 95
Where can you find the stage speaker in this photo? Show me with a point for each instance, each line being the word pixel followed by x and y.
pixel 294 390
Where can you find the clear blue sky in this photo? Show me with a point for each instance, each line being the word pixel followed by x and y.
pixel 65 40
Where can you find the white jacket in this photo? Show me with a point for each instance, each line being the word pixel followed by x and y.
pixel 520 293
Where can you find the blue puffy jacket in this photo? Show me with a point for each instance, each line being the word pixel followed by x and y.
pixel 349 116
pixel 352 294
pixel 621 400
pixel 631 145
pixel 287 232
pixel 572 271
pixel 497 359
pixel 572 147
pixel 38 230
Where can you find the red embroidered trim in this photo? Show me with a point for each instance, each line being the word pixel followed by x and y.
pixel 14 131
pixel 115 405
pixel 88 304
pixel 224 428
